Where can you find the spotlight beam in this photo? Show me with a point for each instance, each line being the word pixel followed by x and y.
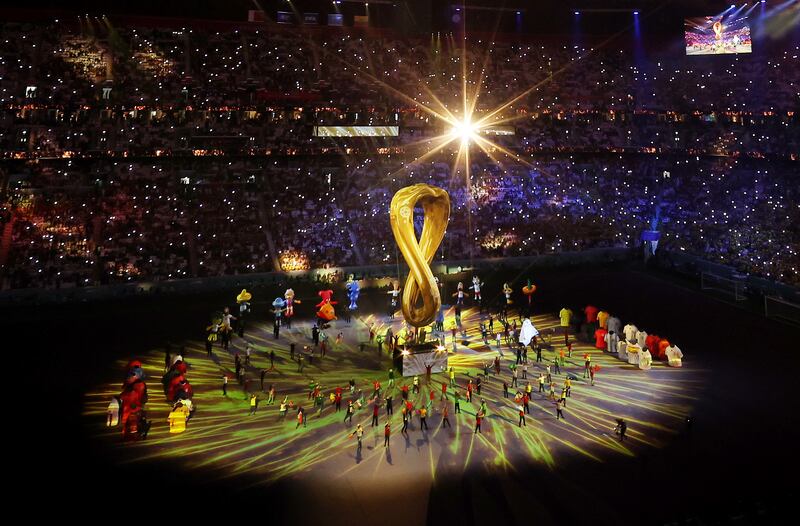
pixel 436 149
pixel 390 88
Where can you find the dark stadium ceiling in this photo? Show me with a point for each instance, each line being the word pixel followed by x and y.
pixel 659 18
pixel 237 9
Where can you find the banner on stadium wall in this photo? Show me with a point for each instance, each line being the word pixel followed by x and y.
pixel 361 21
pixel 356 131
pixel 335 19
pixel 311 19
pixel 497 130
pixel 284 17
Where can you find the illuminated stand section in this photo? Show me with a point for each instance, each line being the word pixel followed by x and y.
pixel 423 355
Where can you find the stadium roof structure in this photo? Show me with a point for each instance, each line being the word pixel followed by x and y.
pixel 237 9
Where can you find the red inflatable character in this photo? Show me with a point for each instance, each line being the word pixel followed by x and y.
pixel 591 313
pixel 132 398
pixel 651 342
pixel 179 388
pixel 180 366
pixel 662 349
pixel 600 338
pixel 176 386
pixel 325 306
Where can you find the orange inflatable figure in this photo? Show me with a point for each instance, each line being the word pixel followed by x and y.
pixel 326 311
pixel 528 290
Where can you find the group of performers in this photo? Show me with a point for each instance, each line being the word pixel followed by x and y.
pixel 128 409
pixel 475 288
pixel 283 307
pixel 628 343
pixel 506 290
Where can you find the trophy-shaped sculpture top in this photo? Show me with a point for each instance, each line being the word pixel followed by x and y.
pixel 420 284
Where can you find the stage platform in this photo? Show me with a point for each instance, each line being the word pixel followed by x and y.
pixel 226 442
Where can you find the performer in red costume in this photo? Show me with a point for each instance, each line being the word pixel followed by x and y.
pixel 325 306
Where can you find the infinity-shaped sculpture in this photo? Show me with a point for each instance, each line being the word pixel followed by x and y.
pixel 435 204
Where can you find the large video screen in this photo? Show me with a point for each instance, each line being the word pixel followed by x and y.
pixel 717 35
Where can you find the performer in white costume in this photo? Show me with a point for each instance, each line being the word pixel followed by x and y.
pixel 674 356
pixel 645 360
pixel 612 341
pixel 633 351
pixel 641 338
pixel 630 331
pixel 622 350
pixel 613 324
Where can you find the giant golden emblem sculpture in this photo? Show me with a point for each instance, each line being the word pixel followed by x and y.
pixel 420 283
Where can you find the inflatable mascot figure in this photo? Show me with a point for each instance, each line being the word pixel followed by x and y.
pixel 290 301
pixel 353 290
pixel 132 400
pixel 476 288
pixel 394 293
pixel 508 291
pixel 326 311
pixel 459 295
pixel 528 290
pixel 278 309
pixel 176 386
pixel 243 300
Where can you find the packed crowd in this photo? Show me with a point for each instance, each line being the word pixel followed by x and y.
pixel 119 222
pixel 164 92
pixel 235 182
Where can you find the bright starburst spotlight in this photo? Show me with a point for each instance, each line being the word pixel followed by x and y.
pixel 465 130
